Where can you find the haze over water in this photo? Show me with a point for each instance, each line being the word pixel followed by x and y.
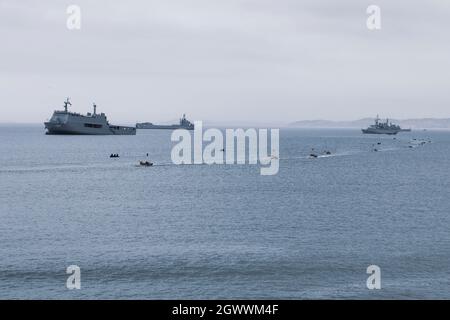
pixel 221 231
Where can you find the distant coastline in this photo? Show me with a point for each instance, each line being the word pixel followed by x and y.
pixel 419 123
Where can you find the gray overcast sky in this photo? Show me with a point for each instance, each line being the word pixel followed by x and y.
pixel 243 60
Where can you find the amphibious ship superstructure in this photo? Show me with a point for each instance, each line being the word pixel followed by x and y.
pixel 65 122
pixel 386 127
pixel 184 124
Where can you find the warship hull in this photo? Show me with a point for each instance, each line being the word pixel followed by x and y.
pixel 70 129
pixel 184 124
pixel 384 131
pixel 385 127
pixel 167 127
pixel 378 131
pixel 69 123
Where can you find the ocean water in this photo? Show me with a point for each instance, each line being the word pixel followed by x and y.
pixel 224 231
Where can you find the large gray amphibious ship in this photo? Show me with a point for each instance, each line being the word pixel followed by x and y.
pixel 386 127
pixel 65 122
pixel 184 124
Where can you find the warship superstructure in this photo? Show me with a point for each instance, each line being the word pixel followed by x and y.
pixel 386 127
pixel 65 122
pixel 184 124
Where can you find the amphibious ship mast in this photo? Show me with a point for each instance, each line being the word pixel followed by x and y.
pixel 66 103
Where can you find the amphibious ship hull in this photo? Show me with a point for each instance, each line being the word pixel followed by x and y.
pixel 169 127
pixel 77 129
pixel 65 122
pixel 183 124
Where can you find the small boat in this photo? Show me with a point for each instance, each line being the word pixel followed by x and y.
pixel 313 154
pixel 145 163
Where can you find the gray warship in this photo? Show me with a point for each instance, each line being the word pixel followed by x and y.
pixel 184 124
pixel 65 122
pixel 386 127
